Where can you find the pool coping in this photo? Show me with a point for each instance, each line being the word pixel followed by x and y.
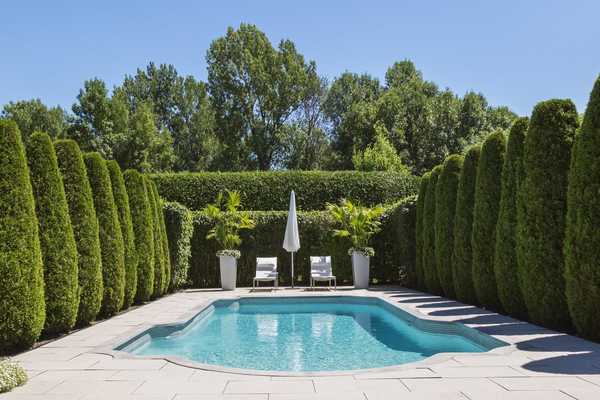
pixel 108 348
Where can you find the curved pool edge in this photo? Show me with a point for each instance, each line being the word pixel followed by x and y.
pixel 135 333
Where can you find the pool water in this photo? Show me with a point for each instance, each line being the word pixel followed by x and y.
pixel 307 334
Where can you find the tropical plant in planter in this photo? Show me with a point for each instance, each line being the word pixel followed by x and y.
pixel 359 224
pixel 228 220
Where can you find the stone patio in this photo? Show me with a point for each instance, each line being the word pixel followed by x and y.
pixel 540 364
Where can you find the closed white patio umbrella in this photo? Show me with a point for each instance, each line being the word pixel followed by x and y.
pixel 291 241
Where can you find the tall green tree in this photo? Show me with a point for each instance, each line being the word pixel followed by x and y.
pixel 541 208
pixel 33 115
pixel 59 251
pixel 380 156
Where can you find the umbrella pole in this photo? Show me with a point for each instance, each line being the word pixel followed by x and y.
pixel 292 269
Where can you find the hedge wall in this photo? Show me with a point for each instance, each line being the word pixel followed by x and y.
pixel 420 277
pixel 159 265
pixel 111 239
pixel 179 224
pixel 141 217
pixel 432 281
pixel 59 251
pixel 164 241
pixel 263 191
pixel 542 210
pixel 505 254
pixel 85 228
pixel 462 255
pixel 22 285
pixel 485 217
pixel 445 207
pixel 122 202
pixel 315 238
pixel 582 243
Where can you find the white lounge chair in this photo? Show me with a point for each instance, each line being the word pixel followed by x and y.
pixel 266 270
pixel 320 270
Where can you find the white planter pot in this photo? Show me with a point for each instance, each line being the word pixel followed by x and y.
pixel 360 270
pixel 228 266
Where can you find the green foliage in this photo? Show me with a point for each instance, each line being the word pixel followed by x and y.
pixel 11 375
pixel 582 242
pixel 141 218
pixel 400 220
pixel 179 224
pixel 85 228
pixel 159 260
pixel 445 207
pixel 488 186
pixel 270 190
pixel 380 156
pixel 432 281
pixel 59 251
pixel 227 220
pixel 123 209
pixel 541 211
pixel 111 238
pixel 33 115
pixel 505 255
pixel 357 223
pixel 462 256
pixel 419 232
pixel 166 284
pixel 22 284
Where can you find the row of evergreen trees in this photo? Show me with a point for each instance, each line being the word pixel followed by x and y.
pixel 514 225
pixel 78 239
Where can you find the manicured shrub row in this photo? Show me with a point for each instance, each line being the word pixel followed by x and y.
pixel 164 241
pixel 179 224
pixel 159 265
pixel 271 190
pixel 420 277
pixel 432 281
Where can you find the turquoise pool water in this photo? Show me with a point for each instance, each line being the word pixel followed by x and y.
pixel 307 334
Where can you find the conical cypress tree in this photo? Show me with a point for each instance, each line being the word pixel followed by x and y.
pixel 59 252
pixel 122 203
pixel 419 231
pixel 141 217
pixel 462 256
pixel 164 240
pixel 111 239
pixel 582 242
pixel 85 228
pixel 432 281
pixel 541 211
pixel 485 217
pixel 159 265
pixel 22 282
pixel 505 256
pixel 445 207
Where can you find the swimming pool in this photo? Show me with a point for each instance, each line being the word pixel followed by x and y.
pixel 304 334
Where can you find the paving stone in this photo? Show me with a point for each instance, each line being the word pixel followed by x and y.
pixel 222 397
pixel 251 387
pixel 416 396
pixel 174 387
pixel 107 388
pixel 518 395
pixel 583 393
pixel 452 385
pixel 543 383
pixel 475 372
pixel 124 364
pixel 319 396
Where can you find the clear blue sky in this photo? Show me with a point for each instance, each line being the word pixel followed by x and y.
pixel 515 52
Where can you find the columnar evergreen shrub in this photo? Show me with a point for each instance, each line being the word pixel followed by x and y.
pixel 141 217
pixel 164 241
pixel 123 209
pixel 419 231
pixel 485 216
pixel 432 281
pixel 542 211
pixel 59 251
pixel 111 239
pixel 21 283
pixel 403 225
pixel 445 207
pixel 582 242
pixel 179 223
pixel 159 265
pixel 85 228
pixel 462 256
pixel 505 255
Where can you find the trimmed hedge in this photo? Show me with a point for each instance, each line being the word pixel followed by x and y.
pixel 541 211
pixel 122 202
pixel 271 190
pixel 85 228
pixel 22 284
pixel 445 207
pixel 505 255
pixel 164 241
pixel 111 239
pixel 179 224
pixel 432 281
pixel 420 277
pixel 11 375
pixel 57 241
pixel 403 227
pixel 485 217
pixel 159 265
pixel 141 217
pixel 582 242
